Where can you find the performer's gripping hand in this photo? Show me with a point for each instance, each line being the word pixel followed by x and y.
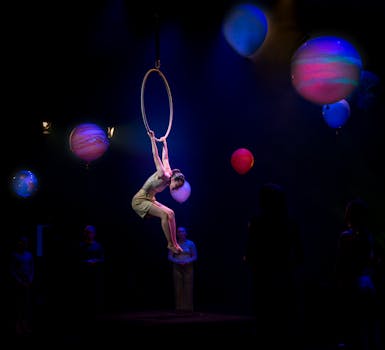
pixel 151 134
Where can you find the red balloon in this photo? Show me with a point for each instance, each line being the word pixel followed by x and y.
pixel 242 160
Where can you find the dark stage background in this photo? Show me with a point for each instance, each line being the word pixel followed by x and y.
pixel 72 62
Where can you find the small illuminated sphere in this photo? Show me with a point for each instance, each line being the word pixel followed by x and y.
pixel 245 29
pixel 25 183
pixel 242 160
pixel 88 141
pixel 182 193
pixel 326 69
pixel 336 114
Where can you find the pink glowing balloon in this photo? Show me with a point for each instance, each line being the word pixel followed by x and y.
pixel 326 69
pixel 88 141
pixel 182 193
pixel 242 160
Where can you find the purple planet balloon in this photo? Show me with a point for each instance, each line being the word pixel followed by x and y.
pixel 88 141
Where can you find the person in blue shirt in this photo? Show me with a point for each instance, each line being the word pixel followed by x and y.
pixel 183 272
pixel 355 270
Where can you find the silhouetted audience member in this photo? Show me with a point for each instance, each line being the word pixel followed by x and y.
pixel 379 282
pixel 183 272
pixel 355 280
pixel 274 254
pixel 22 269
pixel 91 273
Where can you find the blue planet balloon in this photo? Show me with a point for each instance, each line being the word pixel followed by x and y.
pixel 25 183
pixel 245 28
pixel 336 114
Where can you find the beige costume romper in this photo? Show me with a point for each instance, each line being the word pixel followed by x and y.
pixel 142 200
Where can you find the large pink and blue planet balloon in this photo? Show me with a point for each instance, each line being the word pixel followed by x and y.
pixel 25 183
pixel 326 69
pixel 88 141
pixel 245 28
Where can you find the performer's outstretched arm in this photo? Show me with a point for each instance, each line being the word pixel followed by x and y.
pixel 155 153
pixel 165 159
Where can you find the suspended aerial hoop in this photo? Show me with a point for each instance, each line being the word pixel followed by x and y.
pixel 170 103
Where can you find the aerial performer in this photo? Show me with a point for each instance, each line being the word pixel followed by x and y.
pixel 144 202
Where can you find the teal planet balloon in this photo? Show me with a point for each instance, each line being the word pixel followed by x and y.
pixel 25 183
pixel 326 69
pixel 245 29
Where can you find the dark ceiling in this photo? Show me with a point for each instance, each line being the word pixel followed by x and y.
pixel 52 49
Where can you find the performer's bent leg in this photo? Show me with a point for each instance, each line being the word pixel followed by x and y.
pixel 167 218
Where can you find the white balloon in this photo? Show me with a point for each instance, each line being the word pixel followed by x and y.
pixel 182 193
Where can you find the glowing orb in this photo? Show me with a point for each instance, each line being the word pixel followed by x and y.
pixel 245 29
pixel 182 193
pixel 336 114
pixel 326 69
pixel 88 142
pixel 242 160
pixel 25 183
